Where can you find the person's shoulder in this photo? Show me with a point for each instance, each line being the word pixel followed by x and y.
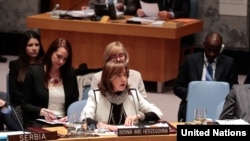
pixel 135 72
pixel 96 92
pixel 240 90
pixel 194 56
pixel 36 67
pixel 226 57
pixel 97 74
pixel 14 63
pixel 241 86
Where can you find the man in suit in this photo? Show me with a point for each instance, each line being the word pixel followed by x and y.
pixel 92 2
pixel 172 9
pixel 128 6
pixel 195 68
pixel 169 9
pixel 236 105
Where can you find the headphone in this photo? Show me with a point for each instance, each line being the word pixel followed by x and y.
pixel 222 48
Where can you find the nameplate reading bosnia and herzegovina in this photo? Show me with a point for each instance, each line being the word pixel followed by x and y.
pixel 34 136
pixel 143 131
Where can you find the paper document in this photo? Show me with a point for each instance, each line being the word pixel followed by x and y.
pixel 142 20
pixel 52 122
pixel 81 13
pixel 232 122
pixel 150 9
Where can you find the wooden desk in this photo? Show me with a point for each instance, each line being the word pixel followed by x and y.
pixel 154 51
pixel 170 137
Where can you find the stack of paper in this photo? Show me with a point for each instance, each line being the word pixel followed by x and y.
pixel 232 122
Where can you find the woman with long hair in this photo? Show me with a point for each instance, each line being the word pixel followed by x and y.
pixel 50 88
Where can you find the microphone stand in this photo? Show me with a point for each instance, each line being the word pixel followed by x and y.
pixel 18 120
pixel 54 15
pixel 139 121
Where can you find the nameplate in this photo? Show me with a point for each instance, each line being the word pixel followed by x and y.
pixel 143 131
pixel 34 136
pixel 105 19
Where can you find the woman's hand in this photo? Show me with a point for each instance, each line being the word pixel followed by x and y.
pixel 111 128
pixel 63 119
pixel 130 120
pixel 48 114
pixel 107 127
pixel 140 13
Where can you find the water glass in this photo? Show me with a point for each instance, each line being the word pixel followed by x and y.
pixel 200 116
pixel 81 128
pixel 71 130
pixel 101 126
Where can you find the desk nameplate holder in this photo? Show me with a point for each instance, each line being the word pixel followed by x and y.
pixel 33 136
pixel 143 131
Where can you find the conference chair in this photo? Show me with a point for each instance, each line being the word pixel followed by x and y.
pixel 74 110
pixel 208 94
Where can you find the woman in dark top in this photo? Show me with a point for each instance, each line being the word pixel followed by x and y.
pixel 30 52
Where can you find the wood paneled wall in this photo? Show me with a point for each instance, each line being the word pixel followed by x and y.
pixel 69 4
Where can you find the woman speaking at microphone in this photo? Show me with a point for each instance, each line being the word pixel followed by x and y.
pixel 115 103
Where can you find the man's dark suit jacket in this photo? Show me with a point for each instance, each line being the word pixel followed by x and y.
pixel 181 8
pixel 36 95
pixel 191 70
pixel 131 7
pixel 237 102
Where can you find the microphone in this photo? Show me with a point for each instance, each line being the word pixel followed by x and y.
pixel 136 112
pixel 18 119
pixel 54 14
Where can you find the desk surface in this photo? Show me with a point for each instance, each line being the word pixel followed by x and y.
pixel 114 27
pixel 170 137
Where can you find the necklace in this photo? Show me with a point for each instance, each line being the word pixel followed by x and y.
pixel 55 80
pixel 120 118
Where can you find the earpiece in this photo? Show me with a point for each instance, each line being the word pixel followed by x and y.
pixel 222 48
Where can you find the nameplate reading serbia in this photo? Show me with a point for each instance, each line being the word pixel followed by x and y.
pixel 143 131
pixel 34 136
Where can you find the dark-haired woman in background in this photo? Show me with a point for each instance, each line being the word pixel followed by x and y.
pixel 30 52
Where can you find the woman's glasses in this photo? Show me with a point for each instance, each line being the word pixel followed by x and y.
pixel 118 56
